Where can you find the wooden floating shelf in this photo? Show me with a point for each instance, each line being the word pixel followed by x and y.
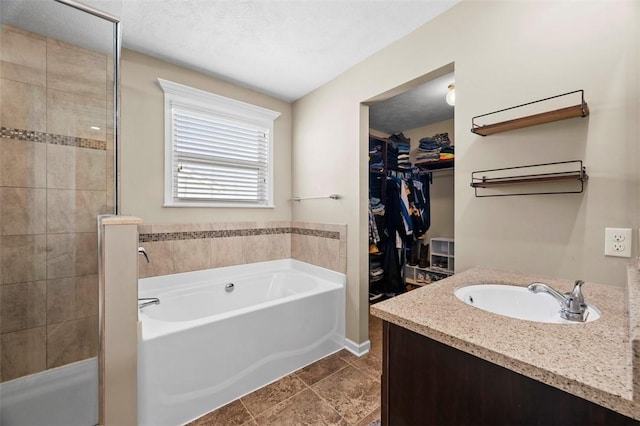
pixel 533 120
pixel 579 110
pixel 488 183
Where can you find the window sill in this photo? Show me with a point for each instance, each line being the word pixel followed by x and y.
pixel 219 205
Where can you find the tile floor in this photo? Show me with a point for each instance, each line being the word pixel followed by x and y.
pixel 340 389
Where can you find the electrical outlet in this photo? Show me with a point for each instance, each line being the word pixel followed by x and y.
pixel 617 242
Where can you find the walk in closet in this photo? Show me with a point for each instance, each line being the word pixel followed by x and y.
pixel 411 161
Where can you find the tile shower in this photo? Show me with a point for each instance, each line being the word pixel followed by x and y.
pixel 56 175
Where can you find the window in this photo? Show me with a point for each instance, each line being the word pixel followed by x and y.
pixel 218 151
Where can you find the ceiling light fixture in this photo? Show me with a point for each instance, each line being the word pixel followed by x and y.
pixel 451 95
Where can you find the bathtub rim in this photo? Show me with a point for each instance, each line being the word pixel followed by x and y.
pixel 150 328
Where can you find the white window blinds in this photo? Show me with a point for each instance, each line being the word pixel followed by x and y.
pixel 218 151
pixel 218 159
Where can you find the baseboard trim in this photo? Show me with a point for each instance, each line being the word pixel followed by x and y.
pixel 357 349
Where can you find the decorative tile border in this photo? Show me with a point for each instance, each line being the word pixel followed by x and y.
pixel 23 135
pixel 195 235
pixel 334 235
pixel 76 142
pixel 41 137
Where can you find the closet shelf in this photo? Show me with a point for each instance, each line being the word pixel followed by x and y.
pixel 579 110
pixel 437 165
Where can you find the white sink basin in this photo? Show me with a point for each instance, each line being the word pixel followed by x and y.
pixel 517 302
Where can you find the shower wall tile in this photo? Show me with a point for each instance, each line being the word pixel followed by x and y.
pixel 73 115
pixel 91 169
pixel 226 251
pixel 86 296
pixel 61 300
pixel 304 248
pixel 55 172
pixel 22 211
pixel 70 255
pixel 72 341
pixel 342 265
pixel 22 306
pixel 109 173
pixel 109 91
pixel 343 243
pixel 76 70
pixel 23 163
pixel 23 352
pixel 76 168
pixel 23 56
pixel 255 248
pixel 144 229
pixel 22 106
pixel 191 255
pixel 74 211
pixel 296 246
pixel 71 298
pixel 328 253
pixel 160 259
pixel 61 166
pixel 279 246
pixel 23 258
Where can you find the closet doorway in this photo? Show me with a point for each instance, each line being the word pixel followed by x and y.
pixel 411 185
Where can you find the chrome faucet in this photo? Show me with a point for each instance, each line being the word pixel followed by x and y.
pixel 143 252
pixel 147 301
pixel 572 304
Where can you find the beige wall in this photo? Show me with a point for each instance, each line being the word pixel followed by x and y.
pixel 142 134
pixel 441 192
pixel 505 54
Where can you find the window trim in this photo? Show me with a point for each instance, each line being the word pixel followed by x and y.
pixel 185 97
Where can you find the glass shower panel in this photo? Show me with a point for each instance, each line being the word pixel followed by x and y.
pixel 56 175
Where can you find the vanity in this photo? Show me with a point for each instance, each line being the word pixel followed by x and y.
pixel 448 362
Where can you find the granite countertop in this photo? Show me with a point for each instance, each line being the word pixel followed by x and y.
pixel 594 360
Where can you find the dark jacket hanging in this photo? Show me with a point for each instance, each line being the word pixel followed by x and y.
pixel 393 284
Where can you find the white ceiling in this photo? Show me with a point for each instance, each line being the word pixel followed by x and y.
pixel 283 48
pixel 414 108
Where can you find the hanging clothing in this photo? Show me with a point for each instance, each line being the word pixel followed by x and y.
pixel 396 232
pixel 420 212
pixel 374 236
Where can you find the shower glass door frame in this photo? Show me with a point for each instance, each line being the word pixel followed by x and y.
pixel 49 292
pixel 117 37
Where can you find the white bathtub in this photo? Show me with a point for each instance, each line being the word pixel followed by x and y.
pixel 203 347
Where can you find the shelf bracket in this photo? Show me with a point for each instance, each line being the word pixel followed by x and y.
pixel 572 174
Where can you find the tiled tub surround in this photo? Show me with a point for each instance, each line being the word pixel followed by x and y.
pixel 55 177
pixel 174 248
pixel 592 360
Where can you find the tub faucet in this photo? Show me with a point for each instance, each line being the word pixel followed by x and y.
pixel 147 301
pixel 143 252
pixel 572 304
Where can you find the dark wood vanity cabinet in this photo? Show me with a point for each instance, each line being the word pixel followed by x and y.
pixel 425 382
